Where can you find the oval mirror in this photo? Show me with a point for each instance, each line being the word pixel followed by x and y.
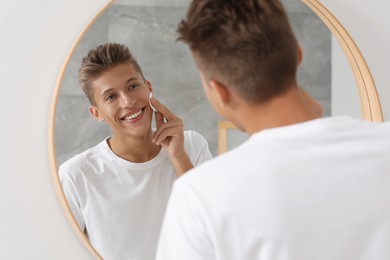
pixel 148 29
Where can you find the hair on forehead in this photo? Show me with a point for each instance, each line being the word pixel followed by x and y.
pixel 101 59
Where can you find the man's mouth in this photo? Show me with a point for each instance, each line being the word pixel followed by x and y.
pixel 133 115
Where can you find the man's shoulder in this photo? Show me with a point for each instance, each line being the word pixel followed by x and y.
pixel 192 135
pixel 214 168
pixel 194 140
pixel 82 160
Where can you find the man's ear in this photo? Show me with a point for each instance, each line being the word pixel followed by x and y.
pixel 95 113
pixel 149 85
pixel 221 91
pixel 300 55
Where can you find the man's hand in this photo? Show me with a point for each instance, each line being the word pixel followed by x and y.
pixel 170 135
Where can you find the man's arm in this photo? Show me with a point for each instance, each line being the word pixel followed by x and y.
pixel 72 198
pixel 170 135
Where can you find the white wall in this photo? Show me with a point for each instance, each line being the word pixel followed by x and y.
pixel 35 37
pixel 367 23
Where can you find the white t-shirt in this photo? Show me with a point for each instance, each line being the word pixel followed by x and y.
pixel 121 204
pixel 318 190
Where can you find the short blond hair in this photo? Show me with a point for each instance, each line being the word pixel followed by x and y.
pixel 100 59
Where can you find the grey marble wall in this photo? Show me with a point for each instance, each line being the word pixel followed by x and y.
pixel 314 74
pixel 148 29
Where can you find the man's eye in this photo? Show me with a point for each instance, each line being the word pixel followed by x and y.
pixel 133 86
pixel 110 97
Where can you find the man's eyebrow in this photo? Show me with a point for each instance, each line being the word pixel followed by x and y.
pixel 106 91
pixel 111 89
pixel 131 79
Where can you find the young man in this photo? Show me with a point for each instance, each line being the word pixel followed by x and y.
pixel 302 187
pixel 118 189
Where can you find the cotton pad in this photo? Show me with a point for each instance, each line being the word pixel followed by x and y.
pixel 150 103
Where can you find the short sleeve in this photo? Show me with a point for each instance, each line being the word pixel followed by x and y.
pixel 71 196
pixel 198 149
pixel 184 232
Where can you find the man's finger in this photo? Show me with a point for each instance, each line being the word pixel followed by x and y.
pixel 159 119
pixel 170 132
pixel 163 110
pixel 166 126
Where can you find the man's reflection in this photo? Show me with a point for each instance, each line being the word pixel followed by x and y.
pixel 118 189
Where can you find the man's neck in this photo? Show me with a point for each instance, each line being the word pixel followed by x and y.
pixel 134 148
pixel 289 108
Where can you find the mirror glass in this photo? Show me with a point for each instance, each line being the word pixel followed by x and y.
pixel 149 30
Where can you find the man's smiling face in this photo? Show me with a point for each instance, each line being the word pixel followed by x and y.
pixel 121 99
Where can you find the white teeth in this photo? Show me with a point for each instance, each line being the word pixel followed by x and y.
pixel 133 115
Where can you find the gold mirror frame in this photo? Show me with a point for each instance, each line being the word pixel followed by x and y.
pixel 52 152
pixel 369 99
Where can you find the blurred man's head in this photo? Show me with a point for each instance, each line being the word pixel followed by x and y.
pixel 246 45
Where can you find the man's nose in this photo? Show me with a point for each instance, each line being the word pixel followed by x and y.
pixel 126 100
